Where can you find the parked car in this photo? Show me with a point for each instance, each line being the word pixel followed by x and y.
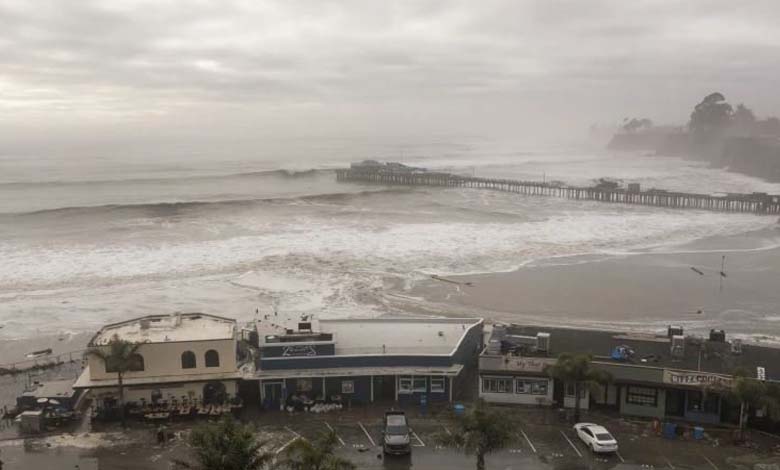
pixel 396 434
pixel 596 437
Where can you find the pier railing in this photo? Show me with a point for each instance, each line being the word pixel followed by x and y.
pixel 757 203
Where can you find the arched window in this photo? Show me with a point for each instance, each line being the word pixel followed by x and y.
pixel 136 363
pixel 188 360
pixel 212 358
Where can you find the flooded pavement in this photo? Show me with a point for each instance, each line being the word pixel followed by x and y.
pixel 538 444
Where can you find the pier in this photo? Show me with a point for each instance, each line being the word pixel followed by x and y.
pixel 396 174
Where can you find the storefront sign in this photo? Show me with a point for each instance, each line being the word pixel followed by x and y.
pixel 302 350
pixel 525 364
pixel 696 379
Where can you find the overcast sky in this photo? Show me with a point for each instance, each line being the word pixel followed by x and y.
pixel 216 70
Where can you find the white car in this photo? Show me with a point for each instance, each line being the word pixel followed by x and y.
pixel 596 437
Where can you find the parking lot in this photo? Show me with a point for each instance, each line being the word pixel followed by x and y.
pixel 534 446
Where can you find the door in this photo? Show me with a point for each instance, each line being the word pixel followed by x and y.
pixel 272 393
pixel 675 403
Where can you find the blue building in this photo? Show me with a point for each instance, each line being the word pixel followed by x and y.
pixel 366 360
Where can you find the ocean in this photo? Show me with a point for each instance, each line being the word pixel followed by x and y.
pixel 87 240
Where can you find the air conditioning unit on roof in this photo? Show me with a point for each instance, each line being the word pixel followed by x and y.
pixel 678 346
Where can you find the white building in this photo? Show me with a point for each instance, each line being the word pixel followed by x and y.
pixel 191 355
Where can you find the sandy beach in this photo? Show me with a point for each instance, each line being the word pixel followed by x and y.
pixel 646 290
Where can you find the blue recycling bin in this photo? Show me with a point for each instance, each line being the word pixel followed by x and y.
pixel 459 409
pixel 670 430
pixel 698 432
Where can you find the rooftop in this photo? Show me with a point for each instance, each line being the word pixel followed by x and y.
pixel 655 351
pixel 372 336
pixel 168 328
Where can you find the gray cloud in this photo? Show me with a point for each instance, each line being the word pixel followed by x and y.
pixel 410 66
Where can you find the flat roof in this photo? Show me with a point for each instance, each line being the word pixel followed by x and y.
pixel 361 336
pixel 168 328
pixel 651 350
pixel 397 335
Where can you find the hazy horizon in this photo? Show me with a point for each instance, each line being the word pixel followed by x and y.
pixel 230 75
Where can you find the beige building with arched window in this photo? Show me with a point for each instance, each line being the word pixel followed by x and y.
pixel 190 355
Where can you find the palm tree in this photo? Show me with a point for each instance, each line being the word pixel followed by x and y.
pixel 317 455
pixel 577 369
pixel 481 431
pixel 752 393
pixel 226 445
pixel 118 356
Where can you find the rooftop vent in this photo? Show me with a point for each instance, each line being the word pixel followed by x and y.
pixel 304 326
pixel 678 346
pixel 736 346
pixel 673 330
pixel 543 342
pixel 718 336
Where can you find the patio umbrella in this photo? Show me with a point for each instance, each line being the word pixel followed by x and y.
pixel 43 400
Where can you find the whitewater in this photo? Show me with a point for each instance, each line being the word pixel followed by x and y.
pixel 90 240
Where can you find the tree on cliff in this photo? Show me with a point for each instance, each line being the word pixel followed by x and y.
pixel 710 118
pixel 635 124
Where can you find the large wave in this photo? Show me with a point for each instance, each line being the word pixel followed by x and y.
pixel 165 208
pixel 277 173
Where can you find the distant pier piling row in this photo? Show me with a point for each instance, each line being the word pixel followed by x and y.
pixel 757 203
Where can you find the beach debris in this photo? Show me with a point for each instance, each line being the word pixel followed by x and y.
pixel 698 271
pixel 451 281
pixel 40 353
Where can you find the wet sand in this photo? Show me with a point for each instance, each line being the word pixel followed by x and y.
pixel 637 291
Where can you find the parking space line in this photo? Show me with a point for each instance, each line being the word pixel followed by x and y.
pixel 530 444
pixel 669 462
pixel 343 444
pixel 422 444
pixel 622 460
pixel 709 461
pixel 571 443
pixel 370 439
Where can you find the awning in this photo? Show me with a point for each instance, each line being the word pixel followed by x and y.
pixel 450 371
pixel 84 380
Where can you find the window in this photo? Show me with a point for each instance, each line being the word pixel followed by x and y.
pixel 569 389
pixel 303 385
pixel 188 360
pixel 420 384
pixel 212 358
pixel 699 402
pixel 497 384
pixel 136 363
pixel 437 384
pixel 412 384
pixel 404 385
pixel 531 387
pixel 642 396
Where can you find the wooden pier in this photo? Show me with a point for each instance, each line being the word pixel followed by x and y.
pixel 756 203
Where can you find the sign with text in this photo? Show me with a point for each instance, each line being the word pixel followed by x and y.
pixel 696 379
pixel 528 364
pixel 300 350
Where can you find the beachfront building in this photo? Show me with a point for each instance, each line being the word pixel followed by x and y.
pixel 669 377
pixel 404 360
pixel 184 356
